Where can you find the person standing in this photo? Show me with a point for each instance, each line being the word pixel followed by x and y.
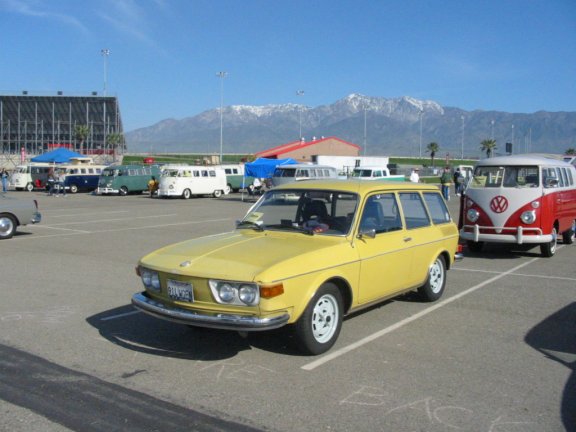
pixel 61 177
pixel 445 182
pixel 4 175
pixel 414 176
pixel 458 180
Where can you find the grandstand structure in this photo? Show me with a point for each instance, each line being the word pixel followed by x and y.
pixel 31 125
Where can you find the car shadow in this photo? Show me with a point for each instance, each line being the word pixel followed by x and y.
pixel 555 337
pixel 132 329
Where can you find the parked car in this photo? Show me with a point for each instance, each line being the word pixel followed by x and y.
pixel 340 246
pixel 15 212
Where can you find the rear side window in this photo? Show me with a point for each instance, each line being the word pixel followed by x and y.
pixel 414 210
pixel 437 207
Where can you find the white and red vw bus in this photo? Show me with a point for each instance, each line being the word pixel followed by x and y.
pixel 520 199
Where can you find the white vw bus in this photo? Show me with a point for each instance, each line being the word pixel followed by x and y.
pixel 520 199
pixel 188 180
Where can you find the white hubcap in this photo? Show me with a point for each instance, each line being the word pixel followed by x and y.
pixel 325 318
pixel 436 277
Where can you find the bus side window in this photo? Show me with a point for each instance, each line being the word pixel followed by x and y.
pixel 559 176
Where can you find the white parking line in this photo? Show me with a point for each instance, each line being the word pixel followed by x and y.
pixel 87 214
pixel 515 274
pixel 111 220
pixel 340 352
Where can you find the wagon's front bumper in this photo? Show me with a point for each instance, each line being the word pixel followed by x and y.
pixel 204 319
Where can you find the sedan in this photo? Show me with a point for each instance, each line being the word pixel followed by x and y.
pixel 15 212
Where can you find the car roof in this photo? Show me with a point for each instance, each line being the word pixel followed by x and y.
pixel 357 186
pixel 527 159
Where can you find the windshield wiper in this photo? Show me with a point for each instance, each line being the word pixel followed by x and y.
pixel 292 228
pixel 249 224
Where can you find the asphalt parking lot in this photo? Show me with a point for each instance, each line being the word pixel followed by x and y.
pixel 496 354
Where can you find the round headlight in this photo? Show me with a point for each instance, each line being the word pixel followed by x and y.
pixel 528 217
pixel 472 215
pixel 247 294
pixel 226 293
pixel 171 187
pixel 146 277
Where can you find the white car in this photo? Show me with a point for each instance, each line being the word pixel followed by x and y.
pixel 15 212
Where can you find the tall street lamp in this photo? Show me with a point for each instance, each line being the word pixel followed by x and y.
pixel 462 144
pixel 105 53
pixel 300 93
pixel 221 75
pixel 365 141
pixel 420 114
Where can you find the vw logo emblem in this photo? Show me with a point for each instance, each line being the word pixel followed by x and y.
pixel 499 204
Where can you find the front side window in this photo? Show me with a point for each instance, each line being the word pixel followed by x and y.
pixel 381 214
pixel 414 210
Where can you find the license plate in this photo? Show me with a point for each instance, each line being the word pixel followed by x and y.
pixel 180 291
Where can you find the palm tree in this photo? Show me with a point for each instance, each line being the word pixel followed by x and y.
pixel 571 151
pixel 81 132
pixel 115 140
pixel 488 146
pixel 432 148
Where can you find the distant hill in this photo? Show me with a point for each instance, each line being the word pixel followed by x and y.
pixel 392 128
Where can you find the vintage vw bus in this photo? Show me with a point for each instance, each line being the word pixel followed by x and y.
pixel 520 199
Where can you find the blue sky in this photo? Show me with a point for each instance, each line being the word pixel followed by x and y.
pixel 505 55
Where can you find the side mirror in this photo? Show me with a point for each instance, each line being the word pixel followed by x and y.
pixel 370 233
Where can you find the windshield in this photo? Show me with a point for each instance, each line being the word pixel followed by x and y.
pixel 171 173
pixel 505 176
pixel 362 173
pixel 109 172
pixel 282 172
pixel 309 211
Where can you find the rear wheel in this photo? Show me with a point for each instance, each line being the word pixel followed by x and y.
pixel 7 226
pixel 30 187
pixel 433 289
pixel 123 191
pixel 73 188
pixel 217 193
pixel 320 324
pixel 186 194
pixel 549 249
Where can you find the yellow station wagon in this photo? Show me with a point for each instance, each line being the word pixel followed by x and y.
pixel 306 254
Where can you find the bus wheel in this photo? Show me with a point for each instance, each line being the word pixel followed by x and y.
pixel 30 187
pixel 217 193
pixel 7 226
pixel 227 190
pixel 186 194
pixel 123 191
pixel 549 249
pixel 73 188
pixel 475 246
pixel 568 236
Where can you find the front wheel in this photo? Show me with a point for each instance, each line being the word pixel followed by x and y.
pixel 123 191
pixel 217 193
pixel 320 324
pixel 549 249
pixel 433 289
pixel 73 188
pixel 7 226
pixel 186 194
pixel 569 236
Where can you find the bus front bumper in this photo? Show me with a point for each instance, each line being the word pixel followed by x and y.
pixel 517 235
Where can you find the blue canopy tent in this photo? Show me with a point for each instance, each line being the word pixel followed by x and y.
pixel 60 155
pixel 263 168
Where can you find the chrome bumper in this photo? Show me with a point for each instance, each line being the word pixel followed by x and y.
pixel 506 235
pixel 203 319
pixel 36 218
pixel 105 190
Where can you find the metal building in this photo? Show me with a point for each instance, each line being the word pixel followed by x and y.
pixel 90 125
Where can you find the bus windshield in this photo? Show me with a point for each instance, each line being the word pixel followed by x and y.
pixel 109 172
pixel 505 176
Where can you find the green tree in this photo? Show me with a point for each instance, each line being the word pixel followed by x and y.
pixel 488 146
pixel 571 151
pixel 81 132
pixel 114 141
pixel 432 148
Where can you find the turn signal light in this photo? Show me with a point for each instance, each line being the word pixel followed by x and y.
pixel 271 291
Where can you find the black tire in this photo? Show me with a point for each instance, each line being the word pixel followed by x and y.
pixel 73 188
pixel 569 235
pixel 435 284
pixel 475 246
pixel 549 249
pixel 123 191
pixel 30 187
pixel 186 194
pixel 319 326
pixel 7 226
pixel 217 193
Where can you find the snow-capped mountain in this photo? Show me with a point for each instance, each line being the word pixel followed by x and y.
pixel 399 126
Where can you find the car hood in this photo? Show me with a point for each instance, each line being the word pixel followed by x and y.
pixel 250 256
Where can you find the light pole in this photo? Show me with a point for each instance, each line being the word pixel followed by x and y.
pixel 462 144
pixel 221 75
pixel 420 114
pixel 512 140
pixel 105 53
pixel 492 134
pixel 365 142
pixel 300 93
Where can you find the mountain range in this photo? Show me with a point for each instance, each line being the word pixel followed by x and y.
pixel 398 126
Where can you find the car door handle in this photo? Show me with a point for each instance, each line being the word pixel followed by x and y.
pixel 407 239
